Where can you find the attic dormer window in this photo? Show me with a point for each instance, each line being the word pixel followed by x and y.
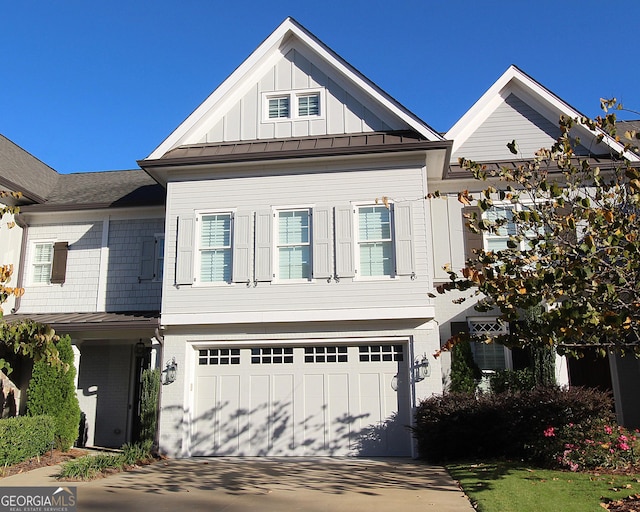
pixel 279 107
pixel 301 104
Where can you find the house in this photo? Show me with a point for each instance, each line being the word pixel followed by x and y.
pixel 274 256
pixel 87 249
pixel 294 301
pixel 515 107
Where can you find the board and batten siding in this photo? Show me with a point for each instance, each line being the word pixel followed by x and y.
pixel 323 191
pixel 343 110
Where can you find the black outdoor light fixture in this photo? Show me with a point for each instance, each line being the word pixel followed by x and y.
pixel 139 348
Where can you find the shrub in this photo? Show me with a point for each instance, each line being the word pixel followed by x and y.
pixel 149 404
pixel 459 426
pixel 24 437
pixel 465 373
pixel 91 466
pixel 512 380
pixel 52 391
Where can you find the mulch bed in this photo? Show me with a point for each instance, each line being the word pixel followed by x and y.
pixel 48 459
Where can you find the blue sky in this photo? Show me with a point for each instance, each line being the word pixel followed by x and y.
pixel 96 85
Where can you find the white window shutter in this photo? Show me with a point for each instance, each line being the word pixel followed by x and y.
pixel 263 249
pixel 345 254
pixel 148 260
pixel 404 243
pixel 184 250
pixel 241 267
pixel 322 243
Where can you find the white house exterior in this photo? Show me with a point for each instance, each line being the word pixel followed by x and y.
pixel 275 258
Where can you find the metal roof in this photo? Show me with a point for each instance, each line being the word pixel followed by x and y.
pixel 297 147
pixel 69 322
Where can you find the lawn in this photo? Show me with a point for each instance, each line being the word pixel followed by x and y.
pixel 506 487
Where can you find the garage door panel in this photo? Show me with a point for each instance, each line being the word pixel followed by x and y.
pixel 339 419
pixel 314 435
pixel 281 423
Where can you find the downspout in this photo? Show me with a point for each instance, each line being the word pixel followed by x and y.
pixel 23 252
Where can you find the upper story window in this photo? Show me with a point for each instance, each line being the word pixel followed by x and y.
pixel 375 243
pixel 309 105
pixel 42 262
pixel 279 107
pixel 498 241
pixel 304 104
pixel 294 249
pixel 215 247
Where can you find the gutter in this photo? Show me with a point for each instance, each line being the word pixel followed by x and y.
pixel 23 250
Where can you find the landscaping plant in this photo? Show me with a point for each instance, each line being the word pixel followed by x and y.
pixel 149 404
pixel 52 391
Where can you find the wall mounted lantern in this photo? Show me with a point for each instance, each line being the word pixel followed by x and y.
pixel 170 371
pixel 421 368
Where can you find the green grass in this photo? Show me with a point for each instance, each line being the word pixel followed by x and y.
pixel 505 487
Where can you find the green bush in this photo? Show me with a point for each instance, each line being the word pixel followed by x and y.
pixel 512 380
pixel 52 391
pixel 460 426
pixel 24 437
pixel 465 373
pixel 149 404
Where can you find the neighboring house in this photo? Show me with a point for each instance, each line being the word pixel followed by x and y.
pixel 90 260
pixel 294 300
pixel 515 107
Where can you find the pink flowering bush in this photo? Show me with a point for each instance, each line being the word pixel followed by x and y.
pixel 594 444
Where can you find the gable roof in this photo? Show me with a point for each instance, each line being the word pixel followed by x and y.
pixel 20 171
pixel 288 33
pixel 542 101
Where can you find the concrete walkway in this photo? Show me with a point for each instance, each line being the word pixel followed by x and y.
pixel 267 485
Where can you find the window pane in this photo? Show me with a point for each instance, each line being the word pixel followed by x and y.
pixel 41 273
pixel 215 265
pixel 376 259
pixel 279 107
pixel 489 356
pixel 294 262
pixel 499 213
pixel 43 253
pixel 216 231
pixel 374 223
pixel 294 227
pixel 309 105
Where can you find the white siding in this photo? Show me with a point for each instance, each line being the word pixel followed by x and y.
pixel 320 189
pixel 342 111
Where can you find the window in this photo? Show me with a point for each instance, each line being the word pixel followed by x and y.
pixel 158 262
pixel 377 353
pixel 375 244
pixel 42 262
pixel 219 356
pixel 326 355
pixel 293 244
pixel 215 248
pixel 279 107
pixel 272 355
pixel 498 241
pixel 489 357
pixel 309 105
pixel 285 106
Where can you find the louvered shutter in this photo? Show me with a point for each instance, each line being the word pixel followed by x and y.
pixel 264 246
pixel 404 244
pixel 185 249
pixel 241 267
pixel 59 267
pixel 471 240
pixel 322 243
pixel 345 253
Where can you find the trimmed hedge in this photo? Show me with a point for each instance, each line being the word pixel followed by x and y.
pixel 462 426
pixel 52 391
pixel 24 437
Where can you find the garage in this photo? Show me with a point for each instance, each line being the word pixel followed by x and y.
pixel 289 400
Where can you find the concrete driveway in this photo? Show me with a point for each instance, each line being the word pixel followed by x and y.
pixel 267 485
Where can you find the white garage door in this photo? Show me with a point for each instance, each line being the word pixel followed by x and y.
pixel 314 400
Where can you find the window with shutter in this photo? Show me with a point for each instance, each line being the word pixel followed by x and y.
pixel 293 244
pixel 214 248
pixel 375 242
pixel 59 266
pixel 42 262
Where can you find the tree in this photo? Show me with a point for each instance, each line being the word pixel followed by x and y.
pixel 52 391
pixel 28 338
pixel 575 250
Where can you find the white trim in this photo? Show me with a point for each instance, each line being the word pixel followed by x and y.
pixel 101 296
pixel 32 254
pixel 512 80
pixel 272 47
pixel 287 316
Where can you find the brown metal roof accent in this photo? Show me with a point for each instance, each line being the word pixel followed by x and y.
pixel 69 322
pixel 301 147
